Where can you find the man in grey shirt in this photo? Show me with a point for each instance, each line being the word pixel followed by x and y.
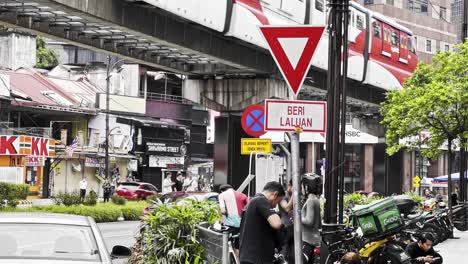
pixel 311 220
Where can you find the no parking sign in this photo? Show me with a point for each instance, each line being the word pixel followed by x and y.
pixel 253 120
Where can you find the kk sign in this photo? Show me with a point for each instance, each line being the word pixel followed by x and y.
pixel 32 161
pixel 249 145
pixel 285 115
pixel 27 145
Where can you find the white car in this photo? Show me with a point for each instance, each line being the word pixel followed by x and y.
pixel 33 238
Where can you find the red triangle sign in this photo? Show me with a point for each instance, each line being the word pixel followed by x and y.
pixel 292 47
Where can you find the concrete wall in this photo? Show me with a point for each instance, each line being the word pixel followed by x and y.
pixel 17 50
pixel 67 180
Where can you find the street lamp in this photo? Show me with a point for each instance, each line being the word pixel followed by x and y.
pixel 110 67
pixel 431 117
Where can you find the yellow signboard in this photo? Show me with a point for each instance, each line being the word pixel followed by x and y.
pixel 249 145
pixel 416 179
pixel 416 185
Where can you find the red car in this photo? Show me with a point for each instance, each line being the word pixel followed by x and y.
pixel 136 190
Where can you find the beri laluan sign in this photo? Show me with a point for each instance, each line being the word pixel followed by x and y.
pixel 287 115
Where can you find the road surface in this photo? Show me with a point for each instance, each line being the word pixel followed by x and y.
pixel 453 251
pixel 119 233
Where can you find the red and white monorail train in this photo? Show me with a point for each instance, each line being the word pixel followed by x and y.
pixel 381 52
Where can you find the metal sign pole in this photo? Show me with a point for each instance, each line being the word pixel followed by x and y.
pixel 296 197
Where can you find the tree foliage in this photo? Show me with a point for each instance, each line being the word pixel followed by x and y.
pixel 433 99
pixel 45 58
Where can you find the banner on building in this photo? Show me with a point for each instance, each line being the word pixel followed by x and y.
pixel 171 148
pixel 164 161
pixel 31 161
pixel 91 162
pixel 132 165
pixel 27 145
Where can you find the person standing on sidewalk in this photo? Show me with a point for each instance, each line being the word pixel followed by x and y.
pixel 231 204
pixel 311 220
pixel 107 188
pixel 83 186
pixel 259 226
pixel 285 211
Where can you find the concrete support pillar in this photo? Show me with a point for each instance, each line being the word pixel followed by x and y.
pixel 311 156
pixel 367 168
pixel 233 94
pixel 408 171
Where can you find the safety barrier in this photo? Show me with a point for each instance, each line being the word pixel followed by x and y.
pixel 215 243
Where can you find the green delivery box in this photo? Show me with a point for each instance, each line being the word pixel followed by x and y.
pixel 378 219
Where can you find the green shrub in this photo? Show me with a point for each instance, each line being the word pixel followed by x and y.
pixel 350 200
pixel 67 198
pixel 91 198
pixel 153 197
pixel 102 212
pixel 173 228
pixel 12 191
pixel 118 200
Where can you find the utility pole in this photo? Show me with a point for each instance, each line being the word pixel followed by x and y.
pixel 336 109
pixel 345 10
pixel 107 115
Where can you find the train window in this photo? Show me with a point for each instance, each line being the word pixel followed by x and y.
pixel 319 5
pixel 412 44
pixel 359 22
pixel 395 38
pixel 403 43
pixel 377 30
pixel 387 34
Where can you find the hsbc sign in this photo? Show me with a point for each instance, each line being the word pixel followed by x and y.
pixel 27 145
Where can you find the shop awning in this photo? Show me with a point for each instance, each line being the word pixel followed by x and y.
pixel 121 156
pixel 444 178
pixel 147 121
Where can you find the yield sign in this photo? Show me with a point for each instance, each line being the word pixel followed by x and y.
pixel 292 48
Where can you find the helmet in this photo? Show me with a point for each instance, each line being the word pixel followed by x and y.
pixel 312 183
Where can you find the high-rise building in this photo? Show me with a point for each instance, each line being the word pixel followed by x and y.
pixel 430 21
pixel 457 17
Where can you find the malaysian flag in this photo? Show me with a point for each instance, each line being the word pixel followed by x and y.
pixel 71 148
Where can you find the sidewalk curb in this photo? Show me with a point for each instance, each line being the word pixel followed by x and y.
pixel 25 202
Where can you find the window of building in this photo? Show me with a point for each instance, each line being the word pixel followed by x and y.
pixel 368 2
pixel 395 38
pixel 447 47
pixel 428 45
pixel 418 6
pixel 390 2
pixel 352 167
pixel 443 13
pixel 377 30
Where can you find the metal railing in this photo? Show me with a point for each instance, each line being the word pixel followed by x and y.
pixel 29 131
pixel 216 244
pixel 166 98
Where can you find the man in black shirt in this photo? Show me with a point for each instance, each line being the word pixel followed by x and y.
pixel 421 252
pixel 259 226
